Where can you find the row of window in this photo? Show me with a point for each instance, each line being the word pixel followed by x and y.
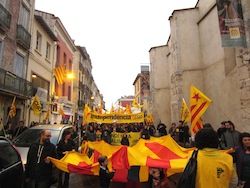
pixel 39 46
pixel 20 62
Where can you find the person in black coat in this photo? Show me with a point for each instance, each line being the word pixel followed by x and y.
pixel 39 168
pixel 162 128
pixel 64 145
pixel 125 140
pixel 105 175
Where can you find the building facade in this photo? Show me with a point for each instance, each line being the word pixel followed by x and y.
pixel 142 88
pixel 42 61
pixel 15 28
pixel 63 109
pixel 194 55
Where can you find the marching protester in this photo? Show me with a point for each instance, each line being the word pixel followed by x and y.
pixel 65 144
pixel 230 140
pixel 183 133
pixel 214 168
pixel 157 178
pixel 125 140
pixel 243 160
pixel 230 136
pixel 91 133
pixel 39 168
pixel 105 175
pixel 162 128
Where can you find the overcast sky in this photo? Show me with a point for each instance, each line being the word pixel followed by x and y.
pixel 117 34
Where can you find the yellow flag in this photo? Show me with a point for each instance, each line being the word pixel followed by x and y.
pixel 36 105
pixel 128 109
pixel 185 113
pixel 47 114
pixel 112 110
pixel 199 103
pixel 86 113
pixel 136 104
pixel 12 112
pixel 61 111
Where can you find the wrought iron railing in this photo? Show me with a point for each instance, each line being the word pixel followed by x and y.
pixel 5 18
pixel 23 37
pixel 14 84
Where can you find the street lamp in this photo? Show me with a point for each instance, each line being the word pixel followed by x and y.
pixel 70 76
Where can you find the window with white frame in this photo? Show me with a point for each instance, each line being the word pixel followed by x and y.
pixel 24 17
pixel 20 66
pixel 38 41
pixel 48 48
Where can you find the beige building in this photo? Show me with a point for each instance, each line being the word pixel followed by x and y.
pixel 64 108
pixel 142 89
pixel 194 55
pixel 42 60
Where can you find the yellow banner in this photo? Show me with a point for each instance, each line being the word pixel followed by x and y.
pixel 114 118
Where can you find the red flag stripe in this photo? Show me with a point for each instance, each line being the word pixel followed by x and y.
pixel 198 111
pixel 192 107
pixel 198 125
pixel 162 151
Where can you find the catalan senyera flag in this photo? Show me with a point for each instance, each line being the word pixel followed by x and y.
pixel 199 103
pixel 130 163
pixel 185 113
pixel 60 73
pixel 12 112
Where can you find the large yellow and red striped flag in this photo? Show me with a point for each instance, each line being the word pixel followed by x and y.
pixel 185 113
pixel 199 103
pixel 60 73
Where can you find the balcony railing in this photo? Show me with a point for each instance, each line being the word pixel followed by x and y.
pixel 5 18
pixel 13 84
pixel 23 37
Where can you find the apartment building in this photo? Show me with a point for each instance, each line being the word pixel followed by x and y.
pixel 15 36
pixel 42 61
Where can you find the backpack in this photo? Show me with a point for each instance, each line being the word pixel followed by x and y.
pixel 188 177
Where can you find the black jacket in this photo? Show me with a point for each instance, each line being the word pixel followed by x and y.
pixel 62 147
pixel 36 168
pixel 105 177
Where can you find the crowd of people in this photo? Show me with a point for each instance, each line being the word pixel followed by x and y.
pixel 214 168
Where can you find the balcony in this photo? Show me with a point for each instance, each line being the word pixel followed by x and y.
pixel 5 18
pixel 13 84
pixel 23 37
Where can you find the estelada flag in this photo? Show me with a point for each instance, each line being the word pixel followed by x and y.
pixel 60 73
pixel 185 113
pixel 199 103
